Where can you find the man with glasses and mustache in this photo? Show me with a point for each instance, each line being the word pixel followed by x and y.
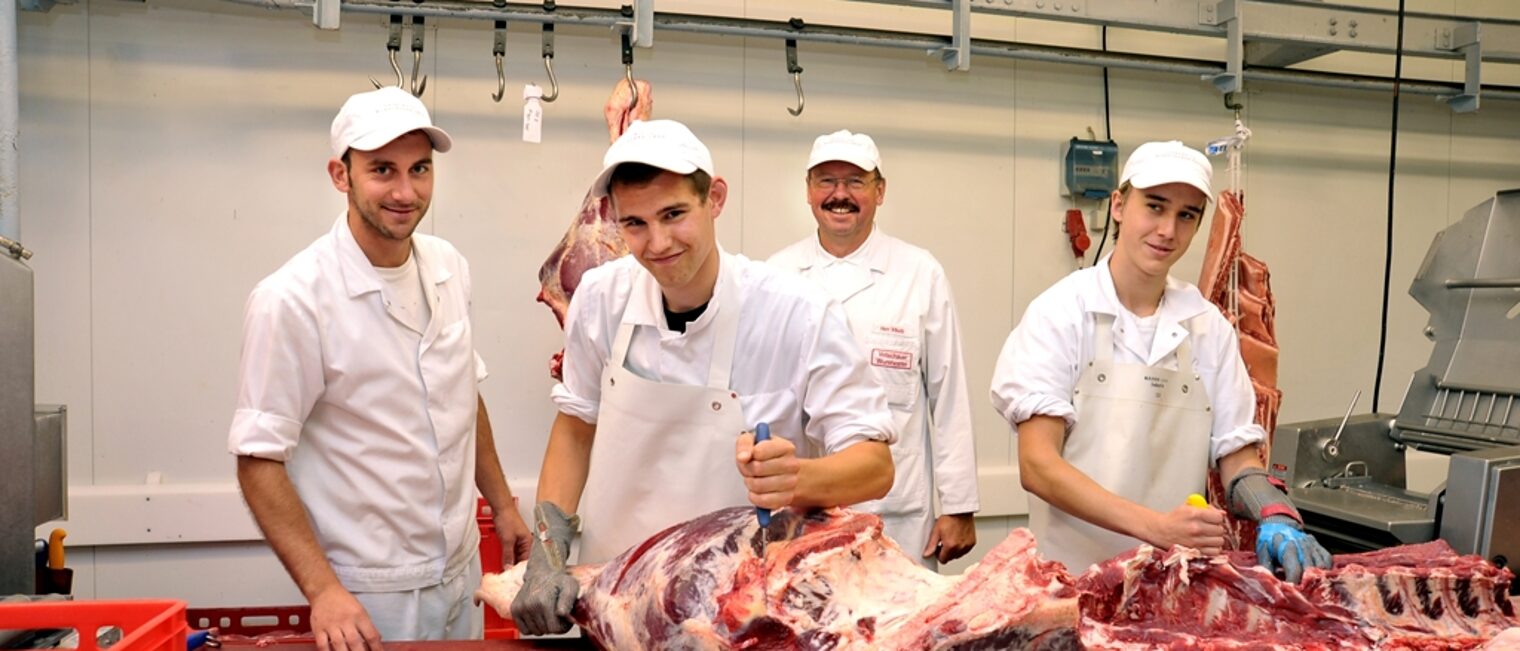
pixel 359 433
pixel 1124 385
pixel 903 317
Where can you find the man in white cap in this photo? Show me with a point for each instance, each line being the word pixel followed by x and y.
pixel 672 355
pixel 359 433
pixel 1124 384
pixel 903 316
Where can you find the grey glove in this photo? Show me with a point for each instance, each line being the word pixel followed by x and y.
pixel 548 592
pixel 1281 542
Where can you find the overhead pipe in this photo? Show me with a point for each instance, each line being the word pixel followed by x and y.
pixel 10 121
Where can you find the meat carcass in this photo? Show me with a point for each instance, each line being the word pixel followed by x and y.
pixel 1412 597
pixel 1422 596
pixel 828 580
pixel 1251 306
pixel 593 237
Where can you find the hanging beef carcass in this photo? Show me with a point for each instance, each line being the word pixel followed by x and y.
pixel 828 580
pixel 1251 306
pixel 593 237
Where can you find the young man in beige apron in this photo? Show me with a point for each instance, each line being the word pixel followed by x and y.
pixel 672 354
pixel 1124 384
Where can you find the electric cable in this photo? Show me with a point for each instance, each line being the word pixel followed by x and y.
pixel 1393 159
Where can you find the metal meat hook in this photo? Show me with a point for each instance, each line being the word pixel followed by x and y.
pixel 796 70
pixel 392 48
pixel 417 40
pixel 499 52
pixel 633 89
pixel 549 59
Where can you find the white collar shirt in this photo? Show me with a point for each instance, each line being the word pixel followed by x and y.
pixel 903 315
pixel 374 420
pixel 795 364
pixel 1043 357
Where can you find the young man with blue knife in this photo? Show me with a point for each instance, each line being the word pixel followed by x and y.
pixel 671 355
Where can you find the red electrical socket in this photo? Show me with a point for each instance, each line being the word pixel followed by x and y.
pixel 1076 231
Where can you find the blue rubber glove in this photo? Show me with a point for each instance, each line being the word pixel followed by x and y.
pixel 1282 543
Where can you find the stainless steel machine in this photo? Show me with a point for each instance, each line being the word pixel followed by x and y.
pixel 1347 475
pixel 33 438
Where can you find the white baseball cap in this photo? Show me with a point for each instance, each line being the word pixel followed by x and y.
pixel 857 149
pixel 371 120
pixel 665 144
pixel 1163 162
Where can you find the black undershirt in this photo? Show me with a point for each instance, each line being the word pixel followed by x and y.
pixel 677 320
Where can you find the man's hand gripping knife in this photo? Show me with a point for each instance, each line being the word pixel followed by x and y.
pixel 548 592
pixel 1281 542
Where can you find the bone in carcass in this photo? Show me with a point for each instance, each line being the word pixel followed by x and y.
pixel 827 580
pixel 593 237
pixel 1251 307
pixel 1411 597
pixel 1422 596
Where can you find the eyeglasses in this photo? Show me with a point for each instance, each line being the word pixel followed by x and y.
pixel 852 183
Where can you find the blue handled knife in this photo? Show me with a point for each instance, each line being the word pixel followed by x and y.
pixel 762 434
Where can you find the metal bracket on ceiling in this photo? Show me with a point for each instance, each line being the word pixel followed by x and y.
pixel 640 23
pixel 1231 80
pixel 325 14
pixel 957 56
pixel 1466 39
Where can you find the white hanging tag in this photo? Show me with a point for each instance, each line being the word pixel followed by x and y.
pixel 533 114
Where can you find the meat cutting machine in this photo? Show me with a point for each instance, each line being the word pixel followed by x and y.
pixel 1347 476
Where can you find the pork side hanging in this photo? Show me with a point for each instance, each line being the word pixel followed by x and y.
pixel 1252 309
pixel 593 237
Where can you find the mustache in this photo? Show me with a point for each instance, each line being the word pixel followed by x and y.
pixel 840 203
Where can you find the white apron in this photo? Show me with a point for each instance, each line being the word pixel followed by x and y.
pixel 664 453
pixel 1142 432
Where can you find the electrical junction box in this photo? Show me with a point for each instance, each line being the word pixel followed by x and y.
pixel 1091 168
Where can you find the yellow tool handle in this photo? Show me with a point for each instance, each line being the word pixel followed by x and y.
pixel 55 549
pixel 1197 501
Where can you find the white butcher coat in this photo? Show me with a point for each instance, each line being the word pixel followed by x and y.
pixel 903 316
pixel 374 421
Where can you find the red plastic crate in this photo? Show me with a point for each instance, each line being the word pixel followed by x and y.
pixel 147 625
pixel 497 627
pixel 252 621
pixel 255 621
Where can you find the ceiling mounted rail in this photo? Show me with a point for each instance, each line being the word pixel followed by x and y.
pixel 1257 24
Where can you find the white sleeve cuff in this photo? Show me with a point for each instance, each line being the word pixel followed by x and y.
pixel 263 435
pixel 1036 404
pixel 573 405
pixel 1235 439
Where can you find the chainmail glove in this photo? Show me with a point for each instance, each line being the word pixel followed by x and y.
pixel 548 593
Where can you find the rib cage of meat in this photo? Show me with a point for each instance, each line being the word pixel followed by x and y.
pixel 1412 597
pixel 830 581
pixel 593 237
pixel 1253 311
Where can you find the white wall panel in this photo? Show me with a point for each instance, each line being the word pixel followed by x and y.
pixel 173 155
